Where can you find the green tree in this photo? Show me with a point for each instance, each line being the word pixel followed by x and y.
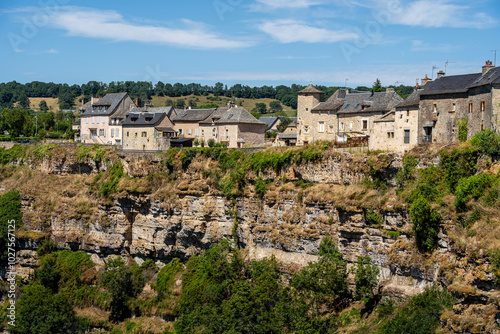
pixel 275 106
pixel 39 311
pixel 462 130
pixel 180 103
pixel 377 86
pixel 425 224
pixel 24 101
pixel 13 121
pixel 260 108
pixel 324 282
pixel 211 142
pixel 285 121
pixel 66 101
pixel 43 105
pixel 366 277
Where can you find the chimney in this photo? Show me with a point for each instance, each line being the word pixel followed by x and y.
pixel 84 100
pixel 389 90
pixel 347 91
pixel 488 66
pixel 440 74
pixel 230 104
pixel 93 100
pixel 426 80
pixel 138 103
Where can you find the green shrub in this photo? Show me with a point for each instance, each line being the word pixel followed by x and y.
pixel 425 224
pixel 407 173
pixel 487 141
pixel 166 276
pixel 462 130
pixel 260 187
pixel 110 186
pixel 374 218
pixel 10 216
pixel 457 164
pixel 46 247
pixel 494 257
pixel 211 142
pixel 15 152
pixel 366 277
pixel 421 314
pixel 471 187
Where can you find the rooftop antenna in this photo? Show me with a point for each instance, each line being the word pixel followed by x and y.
pixel 446 65
pixel 345 83
pixel 398 82
pixel 495 56
pixel 434 67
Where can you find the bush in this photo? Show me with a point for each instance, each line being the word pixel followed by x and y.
pixel 165 278
pixel 407 173
pixel 211 142
pixel 462 130
pixel 487 141
pixel 472 187
pixel 457 164
pixel 366 277
pixel 110 186
pixel 10 216
pixel 421 313
pixel 425 224
pixel 260 187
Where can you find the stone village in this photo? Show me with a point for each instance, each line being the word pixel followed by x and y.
pixel 377 120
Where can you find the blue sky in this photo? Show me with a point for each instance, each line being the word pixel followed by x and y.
pixel 254 42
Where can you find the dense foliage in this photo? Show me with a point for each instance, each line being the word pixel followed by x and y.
pixel 10 214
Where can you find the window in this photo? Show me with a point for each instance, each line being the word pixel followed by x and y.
pixel 112 133
pixel 144 134
pixel 401 116
pixel 331 128
pixel 136 135
pixel 213 132
pixel 117 131
pixel 127 133
pixel 407 137
pixel 407 113
pixel 435 107
pixel 181 131
pixel 97 120
pixel 365 125
pixel 103 120
pixel 101 133
pixel 320 113
pixel 470 107
pixel 350 125
pixel 307 109
pixel 203 133
pixel 453 107
pixel 196 132
pixel 306 130
pixel 321 127
pixel 390 134
pixel 483 106
pixel 342 126
pixel 189 131
pixel 227 134
pixel 93 120
pixel 87 120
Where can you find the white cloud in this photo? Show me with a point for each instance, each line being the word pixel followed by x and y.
pixel 86 22
pixel 436 14
pixel 51 51
pixel 290 31
pixel 421 46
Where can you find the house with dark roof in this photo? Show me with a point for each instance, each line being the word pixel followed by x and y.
pixel 346 113
pixel 148 130
pixel 187 122
pixel 101 118
pixel 272 122
pixel 473 98
pixel 288 137
pixel 233 127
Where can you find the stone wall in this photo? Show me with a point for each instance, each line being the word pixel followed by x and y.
pixel 252 134
pixel 478 119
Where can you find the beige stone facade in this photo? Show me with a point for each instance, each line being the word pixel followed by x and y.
pixel 396 131
pixel 143 135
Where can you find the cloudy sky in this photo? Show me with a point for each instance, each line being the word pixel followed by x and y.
pixel 252 42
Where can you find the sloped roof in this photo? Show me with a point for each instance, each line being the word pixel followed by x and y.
pixel 388 117
pixel 492 76
pixel 373 102
pixel 111 100
pixel 412 100
pixel 193 115
pixel 143 119
pixel 310 89
pixel 269 121
pixel 235 115
pixel 451 84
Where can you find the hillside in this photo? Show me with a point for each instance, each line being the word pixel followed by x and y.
pixel 428 221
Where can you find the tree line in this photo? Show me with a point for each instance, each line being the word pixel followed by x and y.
pixel 15 92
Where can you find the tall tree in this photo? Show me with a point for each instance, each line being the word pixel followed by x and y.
pixel 43 105
pixel 377 86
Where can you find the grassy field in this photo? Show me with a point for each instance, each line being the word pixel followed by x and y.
pixel 160 101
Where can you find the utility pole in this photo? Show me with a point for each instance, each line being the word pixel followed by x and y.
pixel 495 56
pixel 398 82
pixel 345 83
pixel 36 125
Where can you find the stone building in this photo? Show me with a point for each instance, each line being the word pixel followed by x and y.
pixel 101 118
pixel 345 114
pixel 396 130
pixel 288 137
pixel 473 98
pixel 147 131
pixel 187 122
pixel 233 127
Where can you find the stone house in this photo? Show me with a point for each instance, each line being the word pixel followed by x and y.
pixel 473 98
pixel 101 118
pixel 396 130
pixel 346 113
pixel 147 130
pixel 187 122
pixel 272 123
pixel 288 137
pixel 233 127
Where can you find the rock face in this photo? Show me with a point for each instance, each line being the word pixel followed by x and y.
pixel 282 225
